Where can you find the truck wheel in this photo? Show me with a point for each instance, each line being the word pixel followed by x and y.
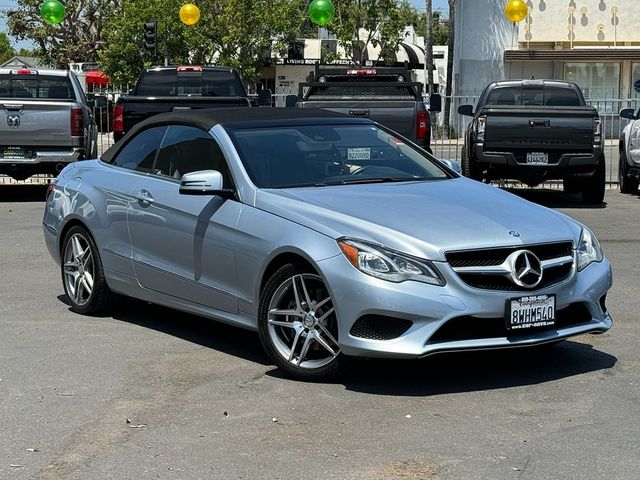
pixel 571 185
pixel 593 188
pixel 627 184
pixel 469 169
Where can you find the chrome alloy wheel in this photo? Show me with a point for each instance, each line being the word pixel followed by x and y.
pixel 78 269
pixel 302 324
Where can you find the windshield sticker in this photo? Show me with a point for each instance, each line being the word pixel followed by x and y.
pixel 358 153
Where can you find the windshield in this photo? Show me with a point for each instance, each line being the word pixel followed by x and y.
pixel 320 155
pixel 549 96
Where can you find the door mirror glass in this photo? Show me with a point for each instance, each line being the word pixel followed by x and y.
pixel 466 110
pixel 435 102
pixel 627 113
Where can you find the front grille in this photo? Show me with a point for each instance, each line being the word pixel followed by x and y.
pixel 496 256
pixel 474 328
pixel 379 327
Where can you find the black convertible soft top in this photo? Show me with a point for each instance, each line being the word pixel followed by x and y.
pixel 236 118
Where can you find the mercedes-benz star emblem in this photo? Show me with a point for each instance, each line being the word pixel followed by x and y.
pixel 526 269
pixel 13 121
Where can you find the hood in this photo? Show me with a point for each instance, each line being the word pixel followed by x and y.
pixel 425 219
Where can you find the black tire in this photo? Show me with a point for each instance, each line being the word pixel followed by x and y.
pixel 86 297
pixel 469 168
pixel 321 365
pixel 572 185
pixel 593 187
pixel 627 184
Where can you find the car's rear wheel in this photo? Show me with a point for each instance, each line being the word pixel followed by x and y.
pixel 627 184
pixel 298 326
pixel 470 169
pixel 82 273
pixel 593 187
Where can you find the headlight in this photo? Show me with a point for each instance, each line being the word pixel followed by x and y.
pixel 388 265
pixel 589 249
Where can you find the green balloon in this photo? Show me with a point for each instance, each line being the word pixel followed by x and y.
pixel 321 11
pixel 52 11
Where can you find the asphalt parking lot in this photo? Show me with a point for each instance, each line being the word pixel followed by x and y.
pixel 153 393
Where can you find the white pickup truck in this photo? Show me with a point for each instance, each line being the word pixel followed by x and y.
pixel 46 122
pixel 629 168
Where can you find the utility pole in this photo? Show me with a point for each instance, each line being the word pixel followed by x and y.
pixel 428 48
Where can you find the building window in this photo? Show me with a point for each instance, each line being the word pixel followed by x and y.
pixel 598 81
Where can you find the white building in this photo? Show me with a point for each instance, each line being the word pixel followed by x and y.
pixel 595 43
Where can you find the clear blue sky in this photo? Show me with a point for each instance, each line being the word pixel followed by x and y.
pixel 4 4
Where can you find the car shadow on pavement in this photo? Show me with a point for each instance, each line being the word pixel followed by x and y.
pixel 476 371
pixel 23 193
pixel 553 198
pixel 192 328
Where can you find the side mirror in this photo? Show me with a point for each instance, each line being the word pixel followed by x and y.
pixel 466 110
pixel 204 182
pixel 627 113
pixel 435 102
pixel 291 101
pixel 99 101
pixel 264 98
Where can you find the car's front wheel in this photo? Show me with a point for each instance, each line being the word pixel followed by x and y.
pixel 627 184
pixel 298 326
pixel 593 188
pixel 82 273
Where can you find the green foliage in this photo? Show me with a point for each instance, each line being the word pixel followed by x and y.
pixel 6 50
pixel 410 15
pixel 380 20
pixel 233 33
pixel 76 39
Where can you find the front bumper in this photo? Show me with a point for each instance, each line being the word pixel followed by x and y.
pixel 429 307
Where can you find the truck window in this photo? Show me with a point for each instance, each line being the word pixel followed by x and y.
pixel 549 96
pixel 171 83
pixel 36 86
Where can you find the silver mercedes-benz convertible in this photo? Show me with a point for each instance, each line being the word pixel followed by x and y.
pixel 333 237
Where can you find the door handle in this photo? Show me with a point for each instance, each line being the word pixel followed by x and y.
pixel 145 198
pixel 539 123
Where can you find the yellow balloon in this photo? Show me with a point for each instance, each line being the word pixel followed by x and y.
pixel 516 10
pixel 189 14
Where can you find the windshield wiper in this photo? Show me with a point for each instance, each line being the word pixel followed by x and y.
pixel 354 181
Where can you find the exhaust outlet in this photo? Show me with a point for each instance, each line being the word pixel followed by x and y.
pixel 59 167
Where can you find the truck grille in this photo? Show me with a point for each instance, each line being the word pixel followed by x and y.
pixel 491 269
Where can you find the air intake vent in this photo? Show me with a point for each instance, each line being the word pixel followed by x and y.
pixel 378 327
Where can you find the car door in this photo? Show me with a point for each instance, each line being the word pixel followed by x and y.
pixel 116 182
pixel 184 245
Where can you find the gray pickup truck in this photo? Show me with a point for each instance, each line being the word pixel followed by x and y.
pixel 47 122
pixel 533 131
pixel 385 95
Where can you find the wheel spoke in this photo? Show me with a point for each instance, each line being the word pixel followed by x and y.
pixel 305 348
pixel 304 290
pixel 72 264
pixel 296 294
pixel 77 287
pixel 89 279
pixel 326 331
pixel 321 303
pixel 85 284
pixel 326 346
pixel 326 314
pixel 76 247
pixel 286 312
pixel 294 344
pixel 282 323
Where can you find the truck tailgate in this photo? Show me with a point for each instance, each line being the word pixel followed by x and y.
pixel 35 123
pixel 398 115
pixel 548 128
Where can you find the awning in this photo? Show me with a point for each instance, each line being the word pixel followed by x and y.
pixel 97 78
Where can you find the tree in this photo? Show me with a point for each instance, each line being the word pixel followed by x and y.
pixel 450 44
pixel 76 39
pixel 6 50
pixel 428 46
pixel 380 20
pixel 234 33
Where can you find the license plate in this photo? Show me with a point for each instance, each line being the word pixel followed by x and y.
pixel 14 152
pixel 358 154
pixel 531 312
pixel 537 158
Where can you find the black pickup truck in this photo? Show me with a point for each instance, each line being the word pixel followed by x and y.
pixel 385 95
pixel 533 131
pixel 175 88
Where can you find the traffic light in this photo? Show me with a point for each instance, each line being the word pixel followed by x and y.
pixel 150 34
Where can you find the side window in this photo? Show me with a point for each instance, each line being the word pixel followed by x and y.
pixel 189 149
pixel 140 152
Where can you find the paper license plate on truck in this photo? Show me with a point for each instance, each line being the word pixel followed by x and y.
pixel 531 312
pixel 537 158
pixel 14 152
